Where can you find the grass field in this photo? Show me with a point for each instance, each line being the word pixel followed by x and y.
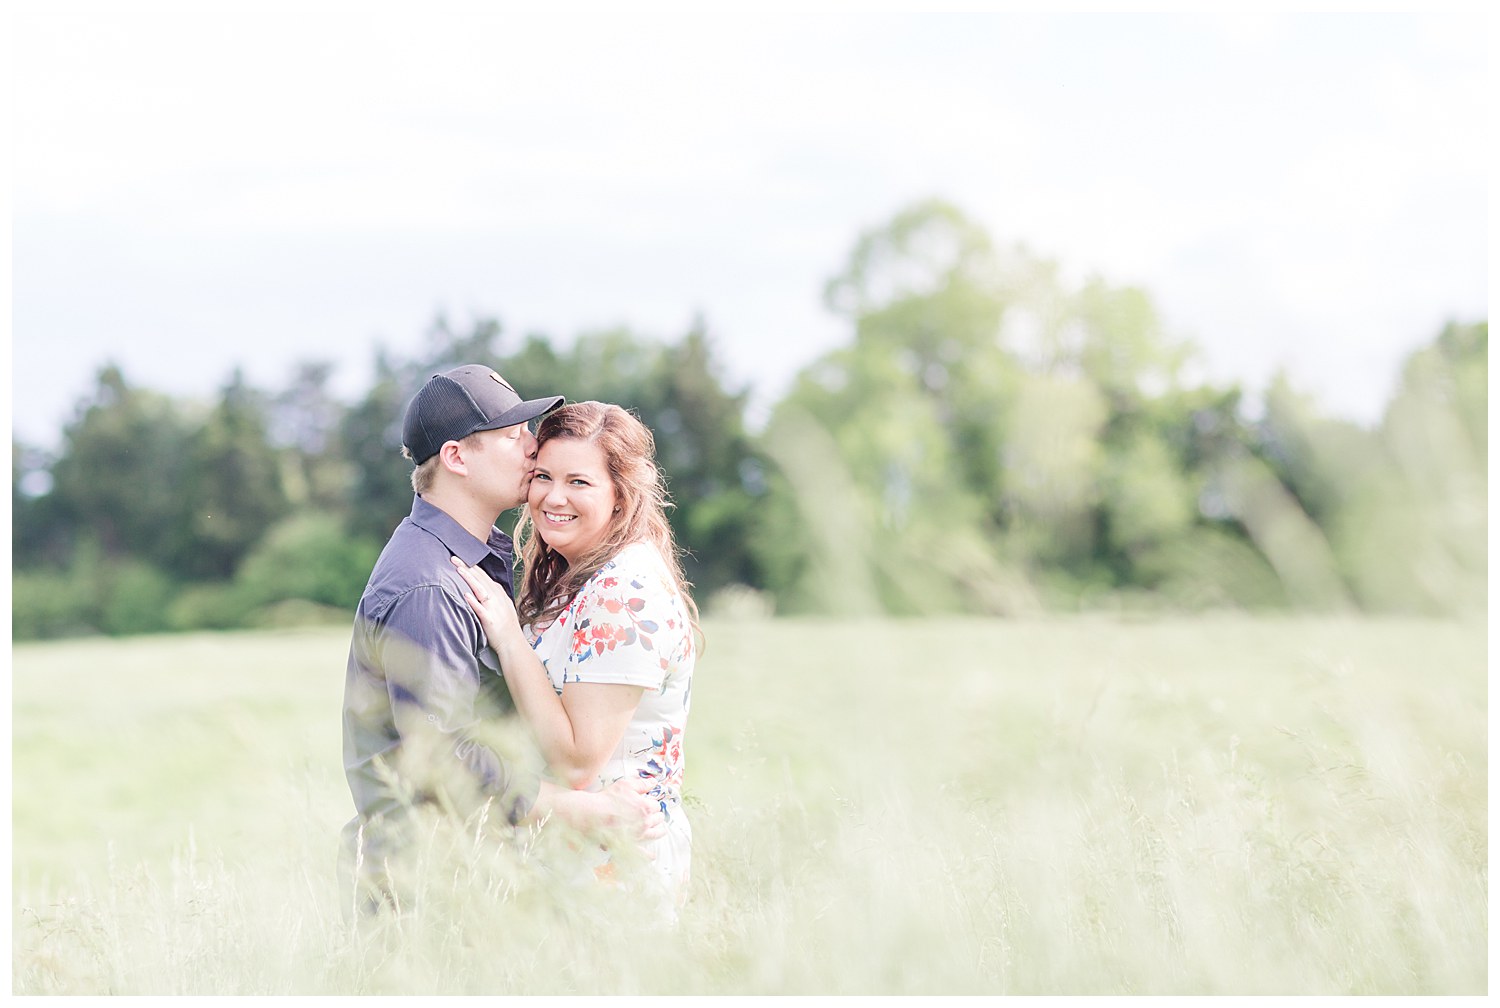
pixel 1222 805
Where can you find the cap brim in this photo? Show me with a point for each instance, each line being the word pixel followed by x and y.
pixel 522 412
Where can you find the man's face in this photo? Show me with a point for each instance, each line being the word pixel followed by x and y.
pixel 501 468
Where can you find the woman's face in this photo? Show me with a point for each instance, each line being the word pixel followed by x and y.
pixel 572 498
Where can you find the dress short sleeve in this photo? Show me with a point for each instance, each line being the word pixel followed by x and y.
pixel 628 626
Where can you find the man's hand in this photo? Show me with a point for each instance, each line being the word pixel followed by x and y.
pixel 622 806
pixel 626 807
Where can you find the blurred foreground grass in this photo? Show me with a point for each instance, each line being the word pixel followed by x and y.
pixel 1074 805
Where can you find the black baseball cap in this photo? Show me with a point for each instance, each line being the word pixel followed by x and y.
pixel 457 403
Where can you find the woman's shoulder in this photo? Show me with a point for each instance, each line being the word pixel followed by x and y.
pixel 636 594
pixel 638 566
pixel 635 560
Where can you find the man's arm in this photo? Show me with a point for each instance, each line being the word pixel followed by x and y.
pixel 428 645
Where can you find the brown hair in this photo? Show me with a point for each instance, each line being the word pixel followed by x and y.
pixel 548 584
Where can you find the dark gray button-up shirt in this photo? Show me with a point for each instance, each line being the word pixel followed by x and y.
pixel 422 684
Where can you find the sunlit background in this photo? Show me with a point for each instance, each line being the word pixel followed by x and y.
pixel 945 313
pixel 1101 399
pixel 196 189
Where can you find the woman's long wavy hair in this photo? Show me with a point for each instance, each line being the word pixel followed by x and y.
pixel 548 583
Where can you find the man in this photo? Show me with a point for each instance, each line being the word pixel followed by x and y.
pixel 423 693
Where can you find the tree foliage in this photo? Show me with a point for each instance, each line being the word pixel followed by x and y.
pixel 119 479
pixel 232 489
pixel 990 439
pixel 1012 442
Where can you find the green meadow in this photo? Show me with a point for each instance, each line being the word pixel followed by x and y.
pixel 1087 804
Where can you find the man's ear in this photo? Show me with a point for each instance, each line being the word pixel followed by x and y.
pixel 451 457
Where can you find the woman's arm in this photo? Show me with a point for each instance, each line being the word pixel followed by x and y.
pixel 577 732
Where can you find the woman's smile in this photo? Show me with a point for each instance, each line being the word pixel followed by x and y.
pixel 572 497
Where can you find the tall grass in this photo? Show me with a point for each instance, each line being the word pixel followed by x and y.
pixel 1083 805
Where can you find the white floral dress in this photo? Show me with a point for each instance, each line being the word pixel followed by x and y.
pixel 628 624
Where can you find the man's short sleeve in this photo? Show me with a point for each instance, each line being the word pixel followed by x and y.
pixel 429 648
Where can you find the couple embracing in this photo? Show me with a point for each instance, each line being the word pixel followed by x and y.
pixel 594 651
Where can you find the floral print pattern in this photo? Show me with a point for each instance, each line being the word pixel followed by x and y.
pixel 629 625
pixel 610 612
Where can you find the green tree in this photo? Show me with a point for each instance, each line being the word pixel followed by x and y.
pixel 1325 462
pixel 307 557
pixel 118 479
pixel 231 489
pixel 378 488
pixel 37 536
pixel 304 423
pixel 1420 544
pixel 1403 505
pixel 1008 441
pixel 892 448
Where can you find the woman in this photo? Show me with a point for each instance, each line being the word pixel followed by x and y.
pixel 598 650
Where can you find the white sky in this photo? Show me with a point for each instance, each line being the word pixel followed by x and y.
pixel 193 191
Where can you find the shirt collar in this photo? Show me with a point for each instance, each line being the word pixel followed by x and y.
pixel 434 520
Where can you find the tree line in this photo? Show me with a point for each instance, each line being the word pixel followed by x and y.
pixel 990 440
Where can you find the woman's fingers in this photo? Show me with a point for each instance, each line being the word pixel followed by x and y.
pixel 488 600
pixel 477 578
pixel 478 595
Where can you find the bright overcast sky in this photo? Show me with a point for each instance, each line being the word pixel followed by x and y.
pixel 196 191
